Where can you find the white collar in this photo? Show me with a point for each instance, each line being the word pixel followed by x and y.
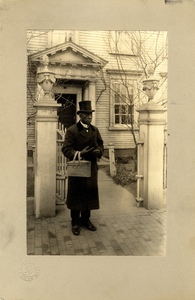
pixel 85 125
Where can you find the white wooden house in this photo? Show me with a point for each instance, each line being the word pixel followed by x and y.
pixel 88 66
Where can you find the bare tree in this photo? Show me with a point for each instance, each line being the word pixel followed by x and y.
pixel 142 52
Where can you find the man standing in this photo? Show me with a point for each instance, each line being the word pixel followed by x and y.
pixel 83 192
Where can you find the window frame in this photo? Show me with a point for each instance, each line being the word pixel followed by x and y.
pixel 122 48
pixel 113 125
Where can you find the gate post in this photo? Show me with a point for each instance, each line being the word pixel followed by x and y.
pixel 45 147
pixel 152 122
pixel 112 160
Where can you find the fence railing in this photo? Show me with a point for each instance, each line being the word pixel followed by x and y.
pixel 165 166
pixel 165 160
pixel 140 176
pixel 109 161
pixel 112 160
pixel 61 173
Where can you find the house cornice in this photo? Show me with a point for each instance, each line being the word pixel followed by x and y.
pixel 122 54
pixel 128 72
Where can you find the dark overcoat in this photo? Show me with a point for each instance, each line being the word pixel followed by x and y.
pixel 83 192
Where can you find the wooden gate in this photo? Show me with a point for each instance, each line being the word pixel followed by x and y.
pixel 61 173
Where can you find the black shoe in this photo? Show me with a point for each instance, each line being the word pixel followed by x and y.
pixel 90 226
pixel 76 229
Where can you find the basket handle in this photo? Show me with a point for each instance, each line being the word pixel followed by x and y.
pixel 79 157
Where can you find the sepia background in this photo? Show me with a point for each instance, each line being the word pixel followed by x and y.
pixel 169 277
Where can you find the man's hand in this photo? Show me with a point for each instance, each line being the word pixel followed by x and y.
pixel 96 152
pixel 86 150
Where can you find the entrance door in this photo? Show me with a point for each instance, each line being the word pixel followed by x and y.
pixel 67 112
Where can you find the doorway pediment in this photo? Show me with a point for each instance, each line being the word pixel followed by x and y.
pixel 69 53
pixel 70 56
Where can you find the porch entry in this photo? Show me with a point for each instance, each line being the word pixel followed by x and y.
pixel 67 112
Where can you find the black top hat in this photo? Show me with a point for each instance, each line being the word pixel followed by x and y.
pixel 85 106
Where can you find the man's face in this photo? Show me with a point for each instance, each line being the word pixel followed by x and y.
pixel 86 118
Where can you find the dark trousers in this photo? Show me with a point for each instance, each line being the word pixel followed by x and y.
pixel 75 215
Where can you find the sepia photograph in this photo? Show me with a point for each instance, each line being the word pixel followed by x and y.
pixel 97 149
pixel 96 142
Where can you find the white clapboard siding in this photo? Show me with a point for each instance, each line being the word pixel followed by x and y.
pixel 98 42
pixel 36 40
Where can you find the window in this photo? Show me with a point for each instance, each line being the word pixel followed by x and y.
pixel 120 43
pixel 122 104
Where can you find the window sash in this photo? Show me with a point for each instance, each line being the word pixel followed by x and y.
pixel 119 44
pixel 122 117
pixel 123 112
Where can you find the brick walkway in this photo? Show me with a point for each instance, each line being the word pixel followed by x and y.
pixel 122 228
pixel 129 234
